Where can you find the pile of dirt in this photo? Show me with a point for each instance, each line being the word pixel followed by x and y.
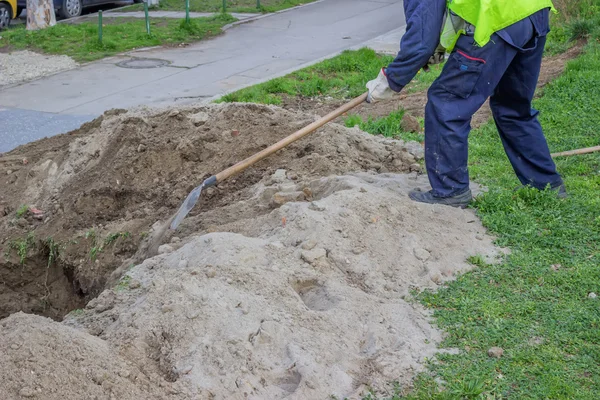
pixel 75 207
pixel 307 300
pixel 45 360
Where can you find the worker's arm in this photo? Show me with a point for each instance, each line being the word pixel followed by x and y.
pixel 424 19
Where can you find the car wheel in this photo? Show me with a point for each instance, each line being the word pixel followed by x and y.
pixel 19 11
pixel 5 14
pixel 71 8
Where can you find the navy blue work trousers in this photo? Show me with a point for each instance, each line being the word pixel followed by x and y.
pixel 506 70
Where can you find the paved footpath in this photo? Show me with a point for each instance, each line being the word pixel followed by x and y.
pixel 246 54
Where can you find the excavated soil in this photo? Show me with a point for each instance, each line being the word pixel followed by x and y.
pixel 291 280
pixel 94 194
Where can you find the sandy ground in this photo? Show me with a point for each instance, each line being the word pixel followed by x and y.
pixel 25 65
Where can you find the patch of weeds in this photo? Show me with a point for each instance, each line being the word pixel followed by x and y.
pixel 80 40
pixel 94 248
pixel 388 126
pixel 477 260
pixel 340 77
pixel 123 283
pixel 21 211
pixel 97 248
pixel 77 312
pixel 240 6
pixel 21 247
pixel 112 237
pixel 52 248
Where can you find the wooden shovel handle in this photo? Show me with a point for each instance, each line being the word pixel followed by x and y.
pixel 242 165
pixel 578 151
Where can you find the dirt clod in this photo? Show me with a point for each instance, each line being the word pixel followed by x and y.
pixel 495 352
pixel 410 124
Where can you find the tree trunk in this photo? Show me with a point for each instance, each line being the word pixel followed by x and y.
pixel 40 14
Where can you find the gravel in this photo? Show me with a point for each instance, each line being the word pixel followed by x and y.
pixel 20 66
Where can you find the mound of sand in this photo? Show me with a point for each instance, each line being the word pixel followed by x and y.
pixel 291 281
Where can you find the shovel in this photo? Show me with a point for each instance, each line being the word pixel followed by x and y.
pixel 194 195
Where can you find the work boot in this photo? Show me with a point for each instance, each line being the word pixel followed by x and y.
pixel 561 190
pixel 460 200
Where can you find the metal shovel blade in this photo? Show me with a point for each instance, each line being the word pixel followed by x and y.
pixel 187 206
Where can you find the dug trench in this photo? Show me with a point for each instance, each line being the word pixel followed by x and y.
pixel 78 206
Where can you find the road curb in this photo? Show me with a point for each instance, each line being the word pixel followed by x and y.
pixel 245 21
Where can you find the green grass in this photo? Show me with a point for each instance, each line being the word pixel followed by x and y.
pixel 80 41
pixel 240 6
pixel 535 304
pixel 340 77
pixel 21 211
pixel 388 126
pixel 21 247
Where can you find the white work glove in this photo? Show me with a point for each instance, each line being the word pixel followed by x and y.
pixel 379 88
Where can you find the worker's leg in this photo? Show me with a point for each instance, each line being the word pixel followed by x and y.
pixel 467 80
pixel 517 121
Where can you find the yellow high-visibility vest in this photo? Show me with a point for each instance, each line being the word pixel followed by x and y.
pixel 487 16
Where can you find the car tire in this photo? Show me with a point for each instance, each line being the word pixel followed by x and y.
pixel 5 16
pixel 138 1
pixel 19 11
pixel 71 8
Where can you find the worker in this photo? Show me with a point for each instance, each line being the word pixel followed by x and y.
pixel 496 52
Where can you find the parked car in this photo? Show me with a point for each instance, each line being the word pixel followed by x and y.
pixel 8 11
pixel 70 8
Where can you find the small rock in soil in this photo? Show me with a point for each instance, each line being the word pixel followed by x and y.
pixel 199 118
pixel 421 254
pixel 316 206
pixel 309 244
pixel 279 176
pixel 410 124
pixel 312 256
pixel 134 284
pixel 280 198
pixel 27 392
pixel 165 248
pixel 415 167
pixel 496 352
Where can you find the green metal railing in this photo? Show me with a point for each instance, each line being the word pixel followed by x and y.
pixel 147 16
